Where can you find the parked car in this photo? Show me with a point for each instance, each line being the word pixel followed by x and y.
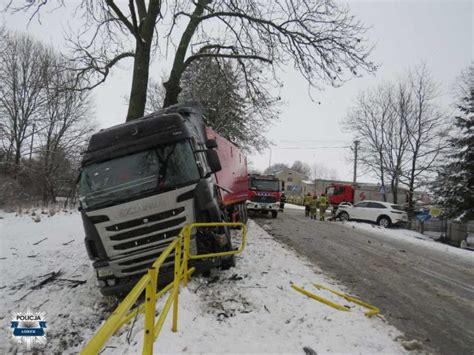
pixel 384 214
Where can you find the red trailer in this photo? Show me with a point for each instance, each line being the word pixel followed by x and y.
pixel 232 180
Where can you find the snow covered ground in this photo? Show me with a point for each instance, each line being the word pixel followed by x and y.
pixel 294 207
pixel 410 237
pixel 250 308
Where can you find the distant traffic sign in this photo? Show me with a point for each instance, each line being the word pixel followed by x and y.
pixel 423 217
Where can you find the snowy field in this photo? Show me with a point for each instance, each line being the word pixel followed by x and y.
pixel 411 237
pixel 248 309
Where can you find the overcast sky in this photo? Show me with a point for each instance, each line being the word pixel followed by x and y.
pixel 440 33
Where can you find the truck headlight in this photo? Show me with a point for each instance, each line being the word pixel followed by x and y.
pixel 101 273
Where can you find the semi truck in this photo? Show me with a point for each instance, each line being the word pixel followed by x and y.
pixel 338 193
pixel 143 180
pixel 264 194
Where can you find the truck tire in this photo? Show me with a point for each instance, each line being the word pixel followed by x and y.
pixel 228 261
pixel 274 214
pixel 243 213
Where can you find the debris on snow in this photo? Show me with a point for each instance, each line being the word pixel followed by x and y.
pixel 412 345
pixel 253 300
pixel 308 351
pixel 42 240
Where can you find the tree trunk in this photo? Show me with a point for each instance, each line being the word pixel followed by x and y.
pixel 382 177
pixel 411 189
pixel 172 86
pixel 141 68
pixel 394 191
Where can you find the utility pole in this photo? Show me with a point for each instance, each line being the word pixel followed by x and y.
pixel 270 159
pixel 356 148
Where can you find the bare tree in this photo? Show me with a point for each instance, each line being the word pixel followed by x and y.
pixel 109 30
pixel 321 171
pixel 66 128
pixel 302 168
pixel 368 120
pixel 36 102
pixel 22 67
pixel 401 131
pixel 396 140
pixel 322 40
pixel 425 129
pixel 155 97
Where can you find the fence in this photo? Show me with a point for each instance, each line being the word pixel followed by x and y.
pixel 148 283
pixel 443 229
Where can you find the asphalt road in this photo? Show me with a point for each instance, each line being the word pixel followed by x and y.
pixel 427 294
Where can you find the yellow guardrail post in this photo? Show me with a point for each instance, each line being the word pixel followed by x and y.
pixel 109 327
pixel 177 280
pixel 319 299
pixel 149 284
pixel 373 310
pixel 150 306
pixel 186 233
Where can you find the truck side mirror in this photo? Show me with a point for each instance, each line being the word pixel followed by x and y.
pixel 211 144
pixel 213 160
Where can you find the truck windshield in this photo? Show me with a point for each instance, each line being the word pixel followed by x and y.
pixel 124 178
pixel 265 185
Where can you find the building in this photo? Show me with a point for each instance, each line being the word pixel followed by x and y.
pixel 291 181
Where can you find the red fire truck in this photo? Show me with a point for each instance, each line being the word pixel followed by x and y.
pixel 338 193
pixel 264 194
pixel 143 180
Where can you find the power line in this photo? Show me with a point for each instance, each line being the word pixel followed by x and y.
pixel 316 140
pixel 312 148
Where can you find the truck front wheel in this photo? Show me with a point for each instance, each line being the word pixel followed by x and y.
pixel 228 261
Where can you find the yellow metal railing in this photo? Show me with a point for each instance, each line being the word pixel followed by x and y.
pixel 372 309
pixel 149 283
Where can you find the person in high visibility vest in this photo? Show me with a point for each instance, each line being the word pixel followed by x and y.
pixel 306 202
pixel 313 207
pixel 282 201
pixel 323 205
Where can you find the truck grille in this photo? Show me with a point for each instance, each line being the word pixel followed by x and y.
pixel 133 245
pixel 264 199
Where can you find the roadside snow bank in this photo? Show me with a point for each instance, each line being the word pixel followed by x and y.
pixel 250 308
pixel 410 237
pixel 44 266
pixel 294 207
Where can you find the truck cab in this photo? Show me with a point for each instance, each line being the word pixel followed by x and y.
pixel 140 183
pixel 338 193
